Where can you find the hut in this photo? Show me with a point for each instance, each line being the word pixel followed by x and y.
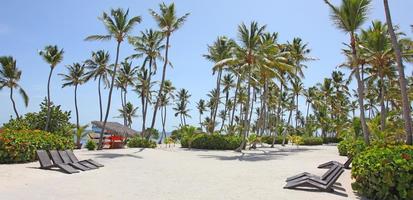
pixel 114 135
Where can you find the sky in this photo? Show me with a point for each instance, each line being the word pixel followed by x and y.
pixel 27 26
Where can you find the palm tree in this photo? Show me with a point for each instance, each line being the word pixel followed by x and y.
pixel 349 17
pixel 119 26
pixel 181 105
pixel 98 69
pixel 201 109
pixel 228 83
pixel 167 95
pixel 129 112
pixel 126 77
pixel 402 79
pixel 168 22
pixel 76 75
pixel 53 56
pixel 10 77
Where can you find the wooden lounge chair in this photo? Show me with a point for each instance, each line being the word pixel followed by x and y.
pixel 329 164
pixel 306 174
pixel 77 165
pixel 73 157
pixel 46 163
pixel 316 183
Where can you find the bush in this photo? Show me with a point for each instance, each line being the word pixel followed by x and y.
pixel 214 141
pixel 309 141
pixel 351 147
pixel 384 173
pixel 91 145
pixel 18 146
pixel 139 142
pixel 328 140
pixel 278 139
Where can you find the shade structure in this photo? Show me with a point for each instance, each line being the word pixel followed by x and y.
pixel 115 128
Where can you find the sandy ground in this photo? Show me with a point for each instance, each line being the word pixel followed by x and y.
pixel 175 173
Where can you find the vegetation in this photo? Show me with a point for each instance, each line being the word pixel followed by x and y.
pixel 91 145
pixel 18 146
pixel 139 142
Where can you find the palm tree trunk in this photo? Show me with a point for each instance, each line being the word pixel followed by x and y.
pixel 109 97
pixel 14 103
pixel 402 80
pixel 382 106
pixel 48 100
pixel 77 119
pixel 285 130
pixel 100 98
pixel 218 95
pixel 144 97
pixel 360 91
pixel 225 109
pixel 278 117
pixel 246 121
pixel 235 100
pixel 162 82
pixel 163 125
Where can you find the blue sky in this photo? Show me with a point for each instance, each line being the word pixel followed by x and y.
pixel 27 26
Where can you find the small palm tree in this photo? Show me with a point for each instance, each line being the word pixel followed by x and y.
pixel 119 26
pixel 167 96
pixel 201 109
pixel 129 112
pixel 126 77
pixel 76 75
pixel 168 22
pixel 53 56
pixel 182 105
pixel 10 77
pixel 99 69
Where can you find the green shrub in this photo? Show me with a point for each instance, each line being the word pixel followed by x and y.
pixel 139 142
pixel 91 145
pixel 343 147
pixel 384 173
pixel 351 147
pixel 214 141
pixel 309 141
pixel 328 140
pixel 268 139
pixel 18 146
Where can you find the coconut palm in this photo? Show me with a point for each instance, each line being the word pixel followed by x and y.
pixel 402 79
pixel 143 88
pixel 167 96
pixel 228 83
pixel 168 22
pixel 349 17
pixel 9 77
pixel 126 77
pixel 181 106
pixel 76 75
pixel 201 109
pixel 98 68
pixel 53 56
pixel 129 112
pixel 118 26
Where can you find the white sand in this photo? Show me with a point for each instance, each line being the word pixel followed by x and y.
pixel 175 173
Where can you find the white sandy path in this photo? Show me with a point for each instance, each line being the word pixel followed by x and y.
pixel 175 173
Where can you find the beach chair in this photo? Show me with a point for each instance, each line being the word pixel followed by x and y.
pixel 306 174
pixel 312 182
pixel 46 163
pixel 329 164
pixel 77 165
pixel 73 157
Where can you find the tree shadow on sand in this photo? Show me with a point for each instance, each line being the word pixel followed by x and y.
pixel 338 190
pixel 257 155
pixel 115 155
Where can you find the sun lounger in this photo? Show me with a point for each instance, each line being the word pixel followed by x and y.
pixel 306 174
pixel 77 165
pixel 46 163
pixel 329 164
pixel 316 183
pixel 73 157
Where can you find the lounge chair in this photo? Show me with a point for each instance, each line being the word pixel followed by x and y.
pixel 316 183
pixel 329 164
pixel 306 174
pixel 46 163
pixel 77 165
pixel 74 159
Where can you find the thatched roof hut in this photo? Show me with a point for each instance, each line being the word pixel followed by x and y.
pixel 115 128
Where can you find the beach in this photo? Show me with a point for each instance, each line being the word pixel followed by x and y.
pixel 177 173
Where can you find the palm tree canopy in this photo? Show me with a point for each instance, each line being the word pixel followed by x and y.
pixel 117 24
pixel 10 76
pixel 98 66
pixel 76 75
pixel 350 15
pixel 167 19
pixel 149 43
pixel 52 55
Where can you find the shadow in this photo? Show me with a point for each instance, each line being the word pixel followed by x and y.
pixel 51 169
pixel 115 155
pixel 339 191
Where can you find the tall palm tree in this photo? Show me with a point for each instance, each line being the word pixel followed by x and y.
pixel 228 83
pixel 143 88
pixel 168 22
pixel 98 68
pixel 53 56
pixel 201 109
pixel 118 26
pixel 10 77
pixel 349 17
pixel 127 78
pixel 167 96
pixel 76 75
pixel 402 79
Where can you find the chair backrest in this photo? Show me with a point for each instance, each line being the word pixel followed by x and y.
pixel 337 169
pixel 56 157
pixel 44 159
pixel 65 157
pixel 334 178
pixel 329 172
pixel 72 156
pixel 348 162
